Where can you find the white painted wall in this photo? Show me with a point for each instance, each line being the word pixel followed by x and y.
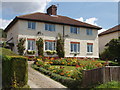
pixel 20 29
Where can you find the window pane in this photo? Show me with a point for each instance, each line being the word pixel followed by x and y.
pixel 71 47
pixel 46 45
pixel 78 47
pixel 75 47
pixel 87 48
pixel 78 30
pixel 28 45
pixel 29 24
pixel 33 25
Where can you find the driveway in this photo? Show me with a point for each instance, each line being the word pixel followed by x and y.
pixel 38 80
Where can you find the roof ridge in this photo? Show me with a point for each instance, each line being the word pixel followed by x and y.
pixel 30 14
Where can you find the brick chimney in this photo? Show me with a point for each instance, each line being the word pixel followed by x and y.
pixel 52 10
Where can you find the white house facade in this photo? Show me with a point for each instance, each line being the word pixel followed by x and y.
pixel 79 38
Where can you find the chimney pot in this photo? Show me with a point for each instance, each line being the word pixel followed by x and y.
pixel 52 10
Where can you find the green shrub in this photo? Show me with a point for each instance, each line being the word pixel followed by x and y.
pixel 20 46
pixel 40 45
pixel 14 71
pixel 4 51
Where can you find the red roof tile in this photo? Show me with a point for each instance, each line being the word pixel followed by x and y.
pixel 111 30
pixel 43 17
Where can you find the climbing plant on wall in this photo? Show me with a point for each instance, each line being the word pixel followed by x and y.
pixel 39 44
pixel 60 46
pixel 20 46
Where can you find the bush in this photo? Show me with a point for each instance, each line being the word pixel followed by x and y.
pixel 14 71
pixel 4 51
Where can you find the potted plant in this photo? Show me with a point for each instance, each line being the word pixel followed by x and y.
pixel 31 52
pixel 50 52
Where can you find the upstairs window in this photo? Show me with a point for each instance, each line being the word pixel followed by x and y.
pixel 32 25
pixel 50 27
pixel 75 47
pixel 89 31
pixel 89 47
pixel 50 45
pixel 74 30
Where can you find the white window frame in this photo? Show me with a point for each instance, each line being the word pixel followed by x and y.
pixel 32 44
pixel 72 30
pixel 48 45
pixel 31 25
pixel 89 48
pixel 72 46
pixel 49 27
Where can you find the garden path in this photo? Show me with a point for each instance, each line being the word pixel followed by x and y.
pixel 38 80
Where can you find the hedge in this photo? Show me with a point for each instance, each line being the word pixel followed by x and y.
pixel 69 82
pixel 14 71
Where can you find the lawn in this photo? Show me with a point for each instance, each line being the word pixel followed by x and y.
pixel 112 84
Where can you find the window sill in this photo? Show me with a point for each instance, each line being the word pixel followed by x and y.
pixel 89 53
pixel 74 52
pixel 31 29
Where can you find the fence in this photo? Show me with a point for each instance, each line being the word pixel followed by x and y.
pixel 101 75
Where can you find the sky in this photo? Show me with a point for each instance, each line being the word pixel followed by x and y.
pixel 102 14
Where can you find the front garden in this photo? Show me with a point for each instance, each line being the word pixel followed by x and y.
pixel 68 71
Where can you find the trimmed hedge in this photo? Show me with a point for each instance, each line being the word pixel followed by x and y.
pixel 14 71
pixel 69 82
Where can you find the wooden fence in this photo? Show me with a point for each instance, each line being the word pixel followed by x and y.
pixel 101 75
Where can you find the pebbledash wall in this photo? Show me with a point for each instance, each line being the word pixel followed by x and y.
pixel 104 39
pixel 20 29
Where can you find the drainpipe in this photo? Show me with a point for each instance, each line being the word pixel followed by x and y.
pixel 63 32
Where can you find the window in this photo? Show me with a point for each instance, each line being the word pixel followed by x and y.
pixel 50 27
pixel 75 47
pixel 31 44
pixel 89 47
pixel 31 25
pixel 50 45
pixel 75 30
pixel 89 31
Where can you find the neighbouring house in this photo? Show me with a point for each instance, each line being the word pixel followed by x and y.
pixel 106 36
pixel 2 37
pixel 80 39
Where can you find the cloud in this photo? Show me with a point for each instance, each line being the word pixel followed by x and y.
pixel 80 19
pixel 4 23
pixel 89 20
pixel 92 21
pixel 102 30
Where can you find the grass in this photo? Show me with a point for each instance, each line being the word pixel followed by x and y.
pixel 112 84
pixel 4 51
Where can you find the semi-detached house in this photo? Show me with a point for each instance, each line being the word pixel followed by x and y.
pixel 79 38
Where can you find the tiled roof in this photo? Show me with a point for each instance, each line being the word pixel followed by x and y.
pixel 111 30
pixel 43 17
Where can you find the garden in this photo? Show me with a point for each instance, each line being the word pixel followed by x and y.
pixel 68 71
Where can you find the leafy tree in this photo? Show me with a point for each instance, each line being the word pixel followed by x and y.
pixel 60 46
pixel 112 51
pixel 21 46
pixel 39 44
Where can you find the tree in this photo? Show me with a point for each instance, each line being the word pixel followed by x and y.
pixel 112 51
pixel 39 44
pixel 60 46
pixel 21 46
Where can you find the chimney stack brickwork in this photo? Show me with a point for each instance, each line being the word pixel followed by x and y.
pixel 52 10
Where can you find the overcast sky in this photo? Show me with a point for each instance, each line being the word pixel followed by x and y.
pixel 103 14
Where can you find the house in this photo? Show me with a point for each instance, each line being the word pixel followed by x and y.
pixel 106 36
pixel 79 38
